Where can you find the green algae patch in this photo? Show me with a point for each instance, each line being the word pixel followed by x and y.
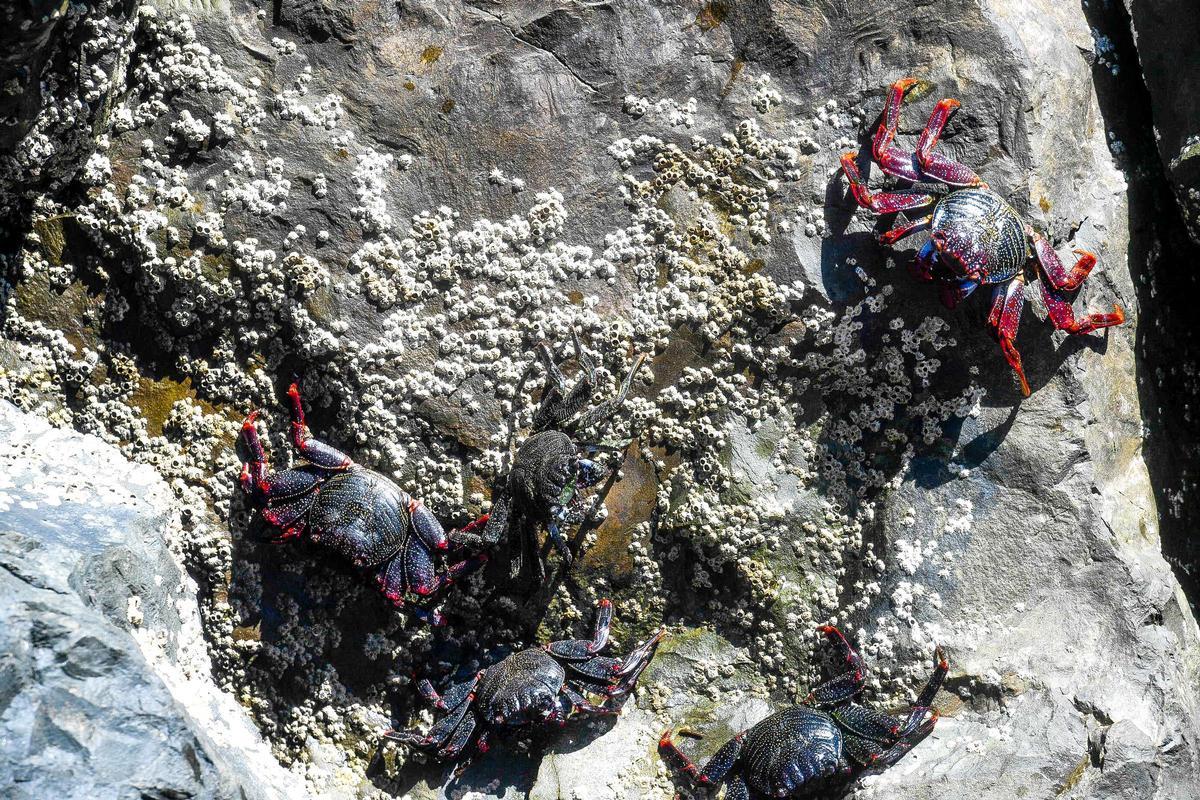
pixel 66 310
pixel 50 232
pixel 155 399
pixel 630 502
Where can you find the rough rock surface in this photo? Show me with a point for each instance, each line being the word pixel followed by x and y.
pixel 1170 63
pixel 83 566
pixel 397 202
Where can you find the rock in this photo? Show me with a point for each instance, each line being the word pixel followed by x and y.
pixel 818 440
pixel 60 62
pixel 1166 35
pixel 85 566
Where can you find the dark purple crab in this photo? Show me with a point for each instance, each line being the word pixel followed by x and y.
pixel 543 486
pixel 976 237
pixel 357 512
pixel 827 738
pixel 534 686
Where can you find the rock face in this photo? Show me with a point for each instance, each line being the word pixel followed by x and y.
pixel 85 566
pixel 1166 35
pixel 397 203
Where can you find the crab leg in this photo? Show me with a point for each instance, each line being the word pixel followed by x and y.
pixel 318 453
pixel 1054 270
pixel 459 739
pixel 1057 280
pixel 581 703
pixel 421 577
pixel 938 166
pixel 455 695
pixel 880 202
pixel 495 524
pixel 1007 301
pixel 736 789
pixel 556 535
pixel 954 292
pixel 632 666
pixel 439 733
pixel 893 160
pixel 923 708
pixel 288 495
pixel 717 767
pixel 898 233
pixel 425 524
pixel 867 722
pixel 553 373
pixel 605 409
pixel 862 750
pixel 576 649
pixel 599 668
pixel 846 685
pixel 585 362
pixel 470 526
pixel 254 471
pixel 1063 317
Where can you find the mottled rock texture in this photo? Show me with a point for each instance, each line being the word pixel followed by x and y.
pixel 1170 63
pixel 83 565
pixel 397 202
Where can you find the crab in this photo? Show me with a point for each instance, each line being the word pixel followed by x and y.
pixel 538 685
pixel 825 739
pixel 543 486
pixel 976 238
pixel 357 512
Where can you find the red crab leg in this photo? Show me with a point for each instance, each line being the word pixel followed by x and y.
pixel 1007 301
pixel 256 470
pixel 581 703
pixel 1058 275
pixel 577 649
pixel 893 160
pixel 898 233
pixel 937 166
pixel 953 292
pixel 425 524
pixel 846 685
pixel 318 453
pixel 880 202
pixel 717 767
pixel 471 526
pixel 1063 316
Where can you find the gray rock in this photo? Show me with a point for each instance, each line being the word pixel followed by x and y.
pixel 59 64
pixel 1170 62
pixel 83 565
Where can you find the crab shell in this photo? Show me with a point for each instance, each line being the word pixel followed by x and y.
pixel 975 235
pixel 367 518
pixel 792 749
pixel 542 470
pixel 520 689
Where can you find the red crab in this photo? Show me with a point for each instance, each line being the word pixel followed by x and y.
pixel 357 512
pixel 975 236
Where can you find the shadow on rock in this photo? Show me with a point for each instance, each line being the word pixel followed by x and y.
pixel 1161 260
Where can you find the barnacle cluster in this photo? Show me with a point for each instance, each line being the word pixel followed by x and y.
pixel 417 344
